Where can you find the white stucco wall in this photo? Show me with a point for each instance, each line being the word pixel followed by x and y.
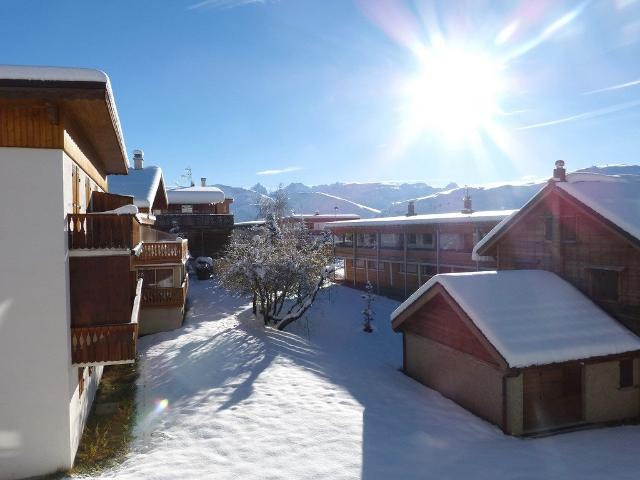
pixel 34 314
pixel 41 412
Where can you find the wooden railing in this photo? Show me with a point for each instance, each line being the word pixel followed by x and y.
pixel 97 231
pixel 202 220
pixel 158 297
pixel 107 344
pixel 162 252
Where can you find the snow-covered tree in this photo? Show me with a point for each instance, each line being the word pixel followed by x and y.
pixel 276 204
pixel 368 312
pixel 281 265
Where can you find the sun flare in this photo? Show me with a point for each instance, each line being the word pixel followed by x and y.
pixel 456 95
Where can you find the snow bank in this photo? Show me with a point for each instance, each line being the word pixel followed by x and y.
pixel 532 317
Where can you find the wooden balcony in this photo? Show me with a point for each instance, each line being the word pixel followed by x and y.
pixel 165 297
pixel 162 252
pixel 102 231
pixel 107 344
pixel 179 221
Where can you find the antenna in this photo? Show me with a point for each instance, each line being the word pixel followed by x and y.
pixel 187 176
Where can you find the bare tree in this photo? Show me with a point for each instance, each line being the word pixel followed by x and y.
pixel 276 204
pixel 281 265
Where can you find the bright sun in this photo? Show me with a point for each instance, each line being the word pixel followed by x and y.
pixel 455 95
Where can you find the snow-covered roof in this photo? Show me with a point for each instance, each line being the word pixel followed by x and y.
pixel 615 197
pixel 455 217
pixel 195 195
pixel 57 74
pixel 30 73
pixel 532 317
pixel 141 183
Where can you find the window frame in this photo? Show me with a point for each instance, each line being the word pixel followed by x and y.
pixel 626 373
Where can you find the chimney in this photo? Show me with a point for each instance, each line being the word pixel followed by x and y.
pixel 203 182
pixel 466 200
pixel 411 208
pixel 138 159
pixel 559 173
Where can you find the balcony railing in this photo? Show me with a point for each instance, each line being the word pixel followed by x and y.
pixel 107 344
pixel 160 297
pixel 100 231
pixel 162 252
pixel 199 220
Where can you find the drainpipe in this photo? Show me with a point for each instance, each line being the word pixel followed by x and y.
pixel 404 241
pixel 354 239
pixel 378 263
pixel 437 248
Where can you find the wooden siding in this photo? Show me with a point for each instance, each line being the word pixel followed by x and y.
pixel 29 125
pixel 437 321
pixel 108 344
pixel 100 231
pixel 103 201
pixel 154 297
pixel 596 245
pixel 102 290
pixel 162 252
pixel 552 396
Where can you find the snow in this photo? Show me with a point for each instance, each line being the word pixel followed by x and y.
pixel 195 195
pixel 615 197
pixel 223 398
pixel 124 210
pixel 142 184
pixel 349 202
pixel 434 218
pixel 59 74
pixel 532 317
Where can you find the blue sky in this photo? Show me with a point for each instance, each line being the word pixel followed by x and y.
pixel 319 91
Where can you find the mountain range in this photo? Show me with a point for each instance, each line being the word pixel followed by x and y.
pixel 377 199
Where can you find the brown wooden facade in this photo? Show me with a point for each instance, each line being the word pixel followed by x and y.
pixel 397 259
pixel 555 232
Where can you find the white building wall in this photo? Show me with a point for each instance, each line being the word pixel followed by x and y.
pixel 34 315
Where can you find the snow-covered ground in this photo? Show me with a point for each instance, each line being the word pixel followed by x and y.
pixel 222 398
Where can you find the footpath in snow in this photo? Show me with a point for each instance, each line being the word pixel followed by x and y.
pixel 223 398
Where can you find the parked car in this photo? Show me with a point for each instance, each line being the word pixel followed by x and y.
pixel 204 267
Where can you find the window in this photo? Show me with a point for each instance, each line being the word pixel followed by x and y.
pixel 451 241
pixel 412 239
pixel 412 269
pixel 548 228
pixel 160 277
pixel 360 263
pixel 372 265
pixel 187 208
pixel 626 373
pixel 428 270
pixel 390 240
pixel 568 229
pixel 427 239
pixel 604 284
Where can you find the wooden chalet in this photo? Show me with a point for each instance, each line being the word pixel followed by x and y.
pixel 69 299
pixel 585 228
pixel 522 349
pixel 199 213
pixel 398 254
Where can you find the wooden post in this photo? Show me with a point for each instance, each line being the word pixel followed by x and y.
pixel 354 239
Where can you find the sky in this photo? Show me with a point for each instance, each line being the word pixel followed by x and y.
pixel 320 91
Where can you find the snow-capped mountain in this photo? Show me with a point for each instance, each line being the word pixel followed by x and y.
pixel 383 198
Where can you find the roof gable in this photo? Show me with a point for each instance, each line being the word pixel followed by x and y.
pixel 145 185
pixel 612 199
